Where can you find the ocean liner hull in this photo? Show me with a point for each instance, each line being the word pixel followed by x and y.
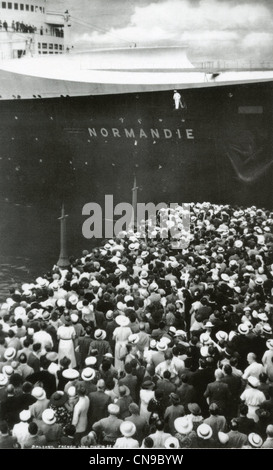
pixel 217 147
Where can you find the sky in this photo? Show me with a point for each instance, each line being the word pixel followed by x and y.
pixel 212 29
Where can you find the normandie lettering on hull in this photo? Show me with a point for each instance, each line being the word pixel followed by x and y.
pixel 141 133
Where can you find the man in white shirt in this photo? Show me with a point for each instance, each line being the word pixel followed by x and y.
pixel 254 369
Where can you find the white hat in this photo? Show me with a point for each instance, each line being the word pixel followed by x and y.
pixel 183 425
pixel 7 370
pixel 134 338
pixel 161 346
pixel 208 325
pixel 204 351
pixel 9 354
pixel 100 334
pixel 243 329
pixel 180 333
pixel 205 338
pixel 144 283
pixel 267 329
pixel 24 415
pixel 70 374
pixel 127 428
pixel 113 409
pixel 90 361
pixel 262 316
pixel 221 335
pixel 223 437
pixel 144 274
pixel 122 320
pixel 255 439
pixel 88 374
pixel 171 443
pixel 73 299
pixel 38 393
pixel 204 431
pixel 48 416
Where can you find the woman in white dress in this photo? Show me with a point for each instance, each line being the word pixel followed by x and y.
pixel 146 393
pixel 121 335
pixel 66 335
pixel 253 397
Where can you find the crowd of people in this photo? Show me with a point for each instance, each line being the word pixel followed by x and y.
pixel 139 344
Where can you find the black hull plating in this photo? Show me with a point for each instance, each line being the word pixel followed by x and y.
pixel 217 148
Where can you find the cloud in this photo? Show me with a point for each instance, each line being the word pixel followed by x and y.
pixel 212 28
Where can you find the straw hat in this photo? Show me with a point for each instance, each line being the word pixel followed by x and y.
pixel 88 374
pixel 100 334
pixel 70 374
pixel 134 338
pixel 122 320
pixel 48 416
pixel 255 440
pixel 9 354
pixel 113 409
pixel 90 361
pixel 183 425
pixel 127 428
pixel 204 431
pixel 243 329
pixel 38 393
pixel 171 443
pixel 24 415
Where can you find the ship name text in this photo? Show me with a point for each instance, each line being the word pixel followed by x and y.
pixel 141 133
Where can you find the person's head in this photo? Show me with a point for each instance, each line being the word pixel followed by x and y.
pixel 263 377
pixel 69 430
pixel 36 347
pixel 22 358
pixel 243 409
pixel 251 357
pixel 32 428
pixel 234 424
pixel 81 389
pixel 159 394
pixel 27 387
pixel 168 356
pixel 134 409
pixel 227 369
pixel 166 374
pixel 218 374
pixel 213 409
pixel 100 385
pixel 128 368
pixel 4 429
pixel 122 391
pixel 159 425
pixel 148 443
pixel 269 430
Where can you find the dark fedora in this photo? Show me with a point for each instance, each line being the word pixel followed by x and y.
pixel 148 385
pixel 58 398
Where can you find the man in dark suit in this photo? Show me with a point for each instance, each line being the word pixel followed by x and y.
pixel 44 377
pixel 218 392
pixel 83 345
pixel 99 402
pixel 186 392
pixel 130 381
pixel 166 386
pixel 33 358
pixel 235 387
pixel 200 380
